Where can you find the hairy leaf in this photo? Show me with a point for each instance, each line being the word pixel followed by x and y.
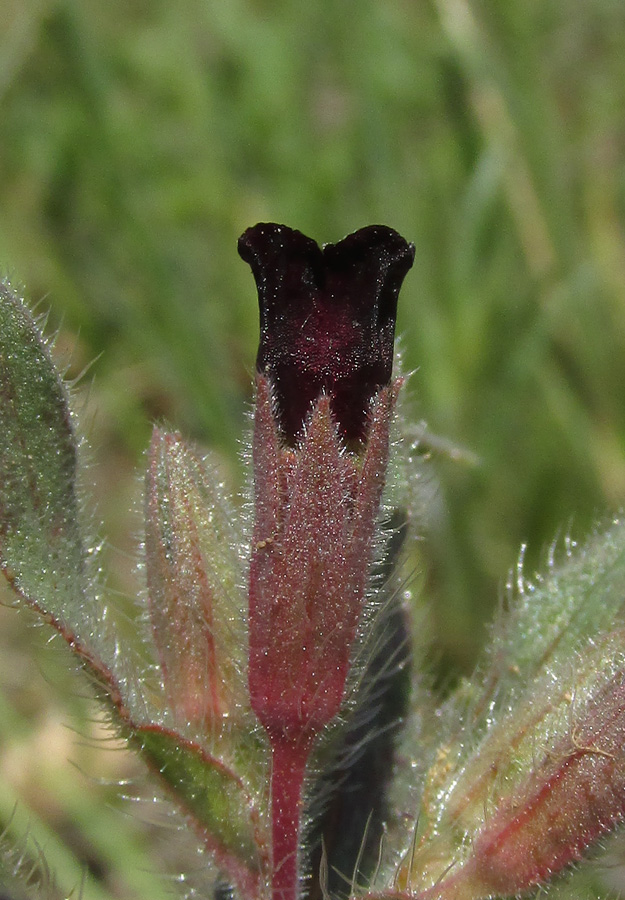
pixel 41 550
pixel 218 803
pixel 533 775
pixel 194 582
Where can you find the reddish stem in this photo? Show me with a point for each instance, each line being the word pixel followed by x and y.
pixel 289 758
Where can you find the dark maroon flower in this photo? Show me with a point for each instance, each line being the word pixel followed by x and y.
pixel 327 319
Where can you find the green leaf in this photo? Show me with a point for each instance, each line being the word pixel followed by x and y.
pixel 553 615
pixel 217 801
pixel 537 737
pixel 41 550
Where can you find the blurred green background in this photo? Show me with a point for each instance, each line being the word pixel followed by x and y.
pixel 138 139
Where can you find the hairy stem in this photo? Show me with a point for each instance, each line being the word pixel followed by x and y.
pixel 287 777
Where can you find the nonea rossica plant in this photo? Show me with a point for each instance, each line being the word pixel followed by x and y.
pixel 273 688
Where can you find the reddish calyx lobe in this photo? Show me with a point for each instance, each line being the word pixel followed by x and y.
pixel 323 410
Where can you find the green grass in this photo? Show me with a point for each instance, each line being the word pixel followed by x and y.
pixel 139 139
